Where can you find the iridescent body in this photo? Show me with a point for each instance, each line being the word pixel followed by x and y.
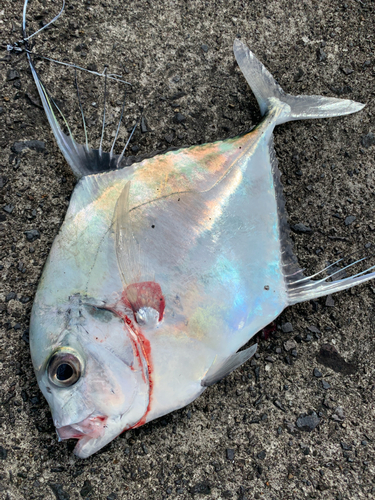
pixel 163 270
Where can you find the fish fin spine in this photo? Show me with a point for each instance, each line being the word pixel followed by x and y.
pixel 270 95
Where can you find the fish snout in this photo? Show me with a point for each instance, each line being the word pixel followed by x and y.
pixel 92 427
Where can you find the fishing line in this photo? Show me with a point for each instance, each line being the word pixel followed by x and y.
pixel 15 47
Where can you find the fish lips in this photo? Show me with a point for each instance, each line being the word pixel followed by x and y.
pixel 92 427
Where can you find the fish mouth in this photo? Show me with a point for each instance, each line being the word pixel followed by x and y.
pixel 92 427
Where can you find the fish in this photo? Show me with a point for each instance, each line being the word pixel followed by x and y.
pixel 163 270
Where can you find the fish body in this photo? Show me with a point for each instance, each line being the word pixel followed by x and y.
pixel 161 271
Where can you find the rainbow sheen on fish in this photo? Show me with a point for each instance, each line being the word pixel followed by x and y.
pixel 163 270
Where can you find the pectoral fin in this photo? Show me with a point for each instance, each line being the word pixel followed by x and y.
pixel 217 372
pixel 132 262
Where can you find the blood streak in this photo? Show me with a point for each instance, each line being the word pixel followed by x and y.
pixel 140 342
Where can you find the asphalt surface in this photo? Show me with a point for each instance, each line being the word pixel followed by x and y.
pixel 298 421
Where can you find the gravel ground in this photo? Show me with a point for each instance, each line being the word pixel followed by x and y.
pixel 296 422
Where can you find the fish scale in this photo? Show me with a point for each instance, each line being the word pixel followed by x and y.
pixel 163 270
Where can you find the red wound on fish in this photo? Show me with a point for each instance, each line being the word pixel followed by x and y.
pixel 145 294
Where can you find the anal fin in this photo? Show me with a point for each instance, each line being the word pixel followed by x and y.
pixel 306 288
pixel 217 372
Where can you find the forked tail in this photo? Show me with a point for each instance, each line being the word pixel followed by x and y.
pixel 269 94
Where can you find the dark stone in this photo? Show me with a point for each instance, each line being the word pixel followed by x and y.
pixel 317 373
pixel 287 327
pixel 144 125
pixel 230 454
pixel 329 301
pixel 8 208
pixel 347 71
pixel 38 146
pixel 135 149
pixel 325 385
pixel 179 118
pixel 169 138
pixel 203 488
pixel 3 453
pixel 298 76
pixel 279 405
pixel 12 75
pixel 112 496
pixel 59 492
pixel 346 447
pixel 204 47
pixel 368 140
pixel 178 95
pixel 313 329
pixel 321 55
pixel 86 489
pixel 308 423
pixel 92 67
pixel 26 337
pixel 329 357
pixel 261 455
pixel 349 220
pixel 32 234
pixel 301 228
pixel 10 296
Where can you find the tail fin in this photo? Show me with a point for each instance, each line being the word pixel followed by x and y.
pixel 266 91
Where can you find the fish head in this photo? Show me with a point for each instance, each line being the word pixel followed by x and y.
pixel 90 372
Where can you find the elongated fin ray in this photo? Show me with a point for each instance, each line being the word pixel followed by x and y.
pixel 82 160
pixel 217 372
pixel 308 289
pixel 269 94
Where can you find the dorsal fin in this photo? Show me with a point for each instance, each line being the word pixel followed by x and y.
pixel 83 160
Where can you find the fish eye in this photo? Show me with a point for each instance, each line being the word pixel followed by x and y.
pixel 64 368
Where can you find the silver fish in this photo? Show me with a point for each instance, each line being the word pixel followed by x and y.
pixel 163 270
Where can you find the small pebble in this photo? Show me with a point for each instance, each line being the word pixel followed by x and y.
pixel 301 228
pixel 368 140
pixel 289 345
pixel 287 327
pixel 308 423
pixel 317 373
pixel 349 220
